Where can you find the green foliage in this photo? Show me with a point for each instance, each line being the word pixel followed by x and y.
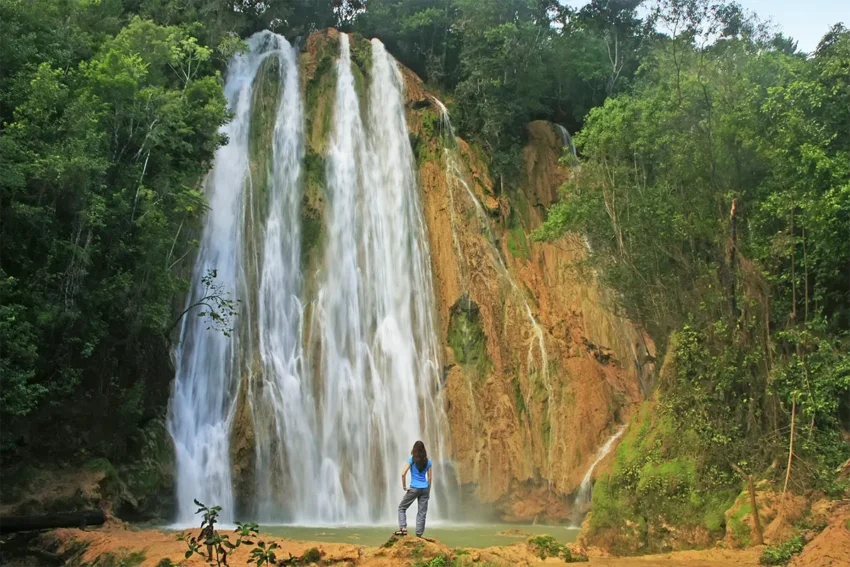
pixel 130 559
pixel 658 479
pixel 214 547
pixel 511 61
pixel 312 555
pixel 517 243
pixel 714 197
pixel 438 561
pixel 109 124
pixel 544 546
pixel 782 553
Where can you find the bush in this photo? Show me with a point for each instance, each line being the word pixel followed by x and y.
pixel 781 553
pixel 312 555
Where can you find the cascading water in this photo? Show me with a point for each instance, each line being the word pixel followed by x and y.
pixel 566 140
pixel 282 404
pixel 208 363
pixel 373 317
pixel 585 489
pixel 334 413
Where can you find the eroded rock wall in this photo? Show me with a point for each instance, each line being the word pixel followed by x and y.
pixel 525 424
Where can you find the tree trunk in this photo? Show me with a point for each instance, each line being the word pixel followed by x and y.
pixel 757 533
pixel 79 519
pixel 733 246
pixel 790 447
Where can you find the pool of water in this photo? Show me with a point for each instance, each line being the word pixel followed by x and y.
pixel 453 535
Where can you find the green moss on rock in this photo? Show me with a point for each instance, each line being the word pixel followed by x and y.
pixel 319 101
pixel 466 337
pixel 147 483
pixel 654 483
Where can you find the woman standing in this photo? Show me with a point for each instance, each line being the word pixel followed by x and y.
pixel 419 466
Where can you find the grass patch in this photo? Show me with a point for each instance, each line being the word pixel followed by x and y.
pixel 132 559
pixel 782 553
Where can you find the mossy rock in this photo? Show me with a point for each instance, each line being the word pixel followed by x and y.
pixel 518 244
pixel 653 497
pixel 266 100
pixel 146 489
pixel 319 98
pixel 466 337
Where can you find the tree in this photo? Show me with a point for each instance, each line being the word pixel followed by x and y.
pixel 102 159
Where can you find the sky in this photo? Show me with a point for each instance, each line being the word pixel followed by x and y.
pixel 804 20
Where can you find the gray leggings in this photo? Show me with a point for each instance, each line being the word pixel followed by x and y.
pixel 420 494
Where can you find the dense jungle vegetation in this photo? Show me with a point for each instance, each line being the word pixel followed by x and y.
pixel 713 185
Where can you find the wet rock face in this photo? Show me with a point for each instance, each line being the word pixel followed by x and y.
pixel 540 367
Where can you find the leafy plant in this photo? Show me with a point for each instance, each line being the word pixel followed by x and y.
pixel 218 545
pixel 215 303
pixel 782 553
pixel 263 554
pixel 312 555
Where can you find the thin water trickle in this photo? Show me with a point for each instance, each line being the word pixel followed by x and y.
pixel 585 489
pixel 455 176
pixel 566 139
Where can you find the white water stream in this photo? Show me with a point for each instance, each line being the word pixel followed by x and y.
pixel 585 489
pixel 337 406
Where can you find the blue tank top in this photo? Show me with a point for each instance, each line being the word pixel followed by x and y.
pixel 418 479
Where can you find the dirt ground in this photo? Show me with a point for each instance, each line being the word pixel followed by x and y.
pixel 119 541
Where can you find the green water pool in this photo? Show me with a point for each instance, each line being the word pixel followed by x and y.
pixel 453 535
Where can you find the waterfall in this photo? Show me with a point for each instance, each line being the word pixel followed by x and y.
pixel 208 363
pixel 566 139
pixel 341 379
pixel 585 489
pixel 283 405
pixel 374 312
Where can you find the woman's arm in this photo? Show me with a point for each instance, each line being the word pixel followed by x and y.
pixel 430 476
pixel 404 476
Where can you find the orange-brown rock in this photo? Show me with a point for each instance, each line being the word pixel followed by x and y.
pixel 563 366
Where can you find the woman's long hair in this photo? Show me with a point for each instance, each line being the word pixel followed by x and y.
pixel 420 455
